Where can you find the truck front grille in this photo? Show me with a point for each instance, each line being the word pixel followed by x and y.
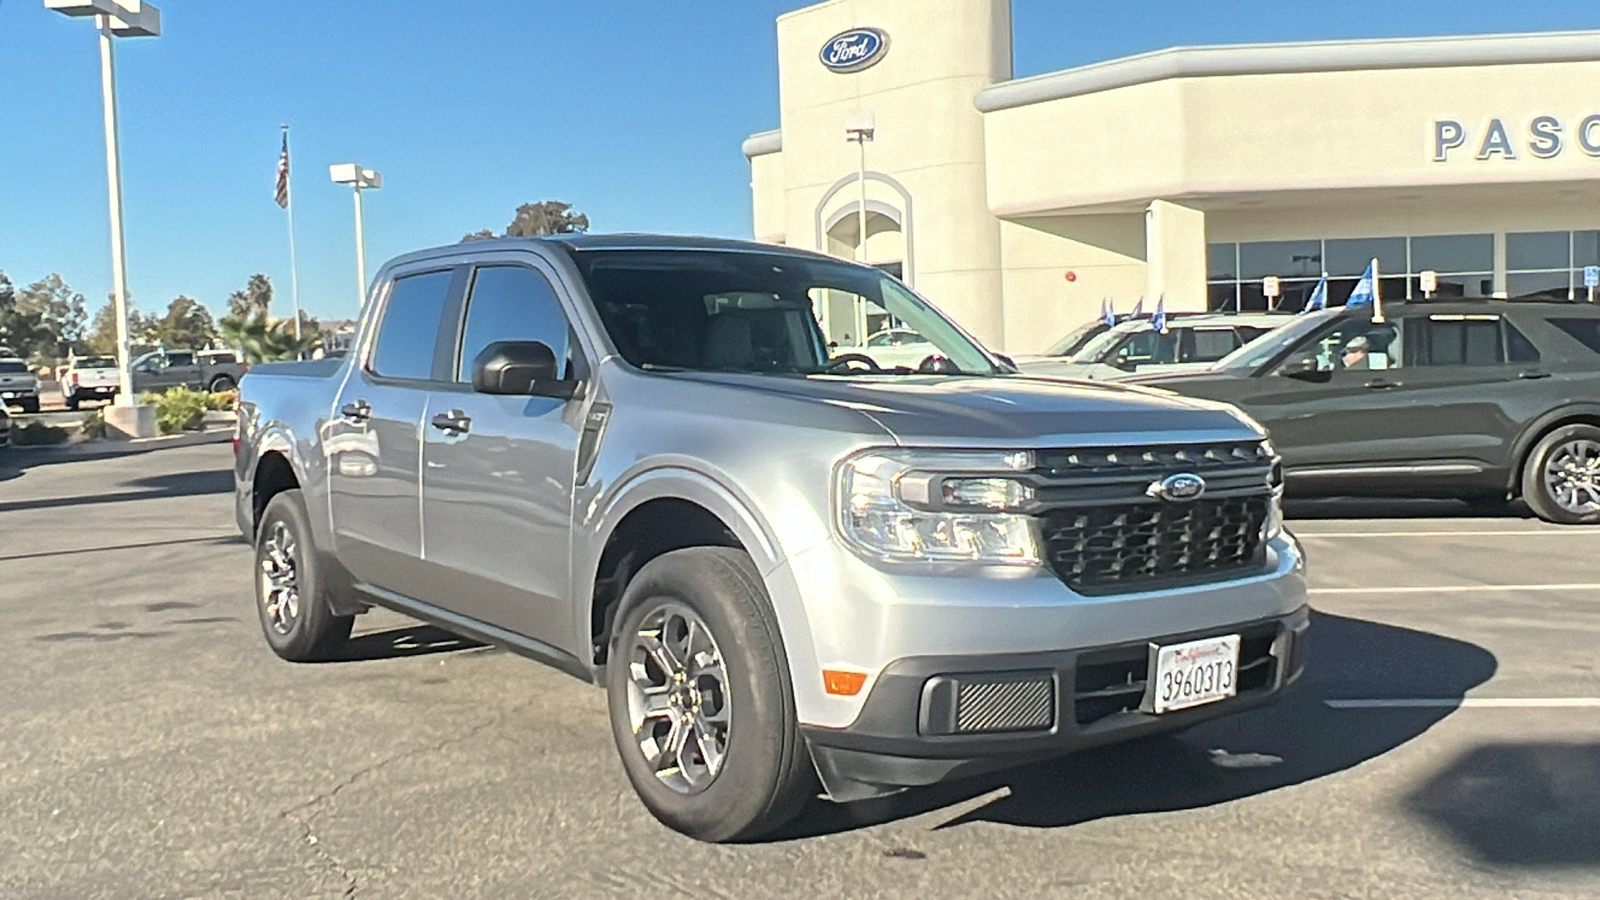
pixel 1104 532
pixel 1130 547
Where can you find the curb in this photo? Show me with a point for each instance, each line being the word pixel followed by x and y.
pixel 109 448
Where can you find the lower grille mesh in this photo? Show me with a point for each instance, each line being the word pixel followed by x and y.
pixel 1004 705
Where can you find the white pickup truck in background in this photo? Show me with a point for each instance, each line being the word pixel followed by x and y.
pixel 88 378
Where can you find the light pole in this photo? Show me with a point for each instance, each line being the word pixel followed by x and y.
pixel 359 179
pixel 860 133
pixel 117 18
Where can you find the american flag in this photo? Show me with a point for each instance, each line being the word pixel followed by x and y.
pixel 282 195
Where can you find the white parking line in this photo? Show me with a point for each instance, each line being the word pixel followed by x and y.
pixel 1457 589
pixel 1565 532
pixel 1470 703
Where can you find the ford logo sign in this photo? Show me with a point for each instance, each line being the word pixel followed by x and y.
pixel 856 49
pixel 1180 488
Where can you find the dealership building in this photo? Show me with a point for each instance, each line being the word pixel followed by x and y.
pixel 1194 173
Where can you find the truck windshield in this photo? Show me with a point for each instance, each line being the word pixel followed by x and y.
pixel 769 313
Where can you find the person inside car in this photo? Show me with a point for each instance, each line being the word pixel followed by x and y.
pixel 1354 354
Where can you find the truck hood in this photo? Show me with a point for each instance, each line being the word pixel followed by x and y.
pixel 1009 410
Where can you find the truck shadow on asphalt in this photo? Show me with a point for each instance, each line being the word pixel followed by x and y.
pixel 177 484
pixel 414 640
pixel 1304 509
pixel 1518 804
pixel 1300 739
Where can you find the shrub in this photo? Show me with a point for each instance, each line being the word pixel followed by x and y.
pixel 225 401
pixel 35 433
pixel 178 409
pixel 94 424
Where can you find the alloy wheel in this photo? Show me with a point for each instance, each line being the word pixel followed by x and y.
pixel 678 703
pixel 280 579
pixel 1572 476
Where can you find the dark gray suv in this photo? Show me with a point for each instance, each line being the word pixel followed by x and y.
pixel 1484 400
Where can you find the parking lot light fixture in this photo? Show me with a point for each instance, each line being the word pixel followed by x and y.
pixel 359 178
pixel 117 18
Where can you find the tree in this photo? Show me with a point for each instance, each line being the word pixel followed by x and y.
pixel 546 217
pixel 101 338
pixel 187 323
pixel 482 235
pixel 43 320
pixel 256 296
pixel 262 338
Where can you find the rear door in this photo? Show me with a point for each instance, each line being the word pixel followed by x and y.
pixel 181 369
pixel 498 472
pixel 1466 373
pixel 373 438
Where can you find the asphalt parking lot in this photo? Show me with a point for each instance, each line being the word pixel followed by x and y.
pixel 1445 741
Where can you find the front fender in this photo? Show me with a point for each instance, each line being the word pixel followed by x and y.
pixel 1573 412
pixel 676 481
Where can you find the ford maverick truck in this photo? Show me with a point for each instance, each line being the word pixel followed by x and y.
pixel 792 569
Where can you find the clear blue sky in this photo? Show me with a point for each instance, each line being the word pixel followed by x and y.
pixel 633 110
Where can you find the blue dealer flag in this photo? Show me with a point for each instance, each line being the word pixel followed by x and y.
pixel 1363 294
pixel 1138 309
pixel 1107 314
pixel 1319 296
pixel 1159 320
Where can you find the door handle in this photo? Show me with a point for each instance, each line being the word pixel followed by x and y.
pixel 1378 384
pixel 357 411
pixel 1532 374
pixel 453 422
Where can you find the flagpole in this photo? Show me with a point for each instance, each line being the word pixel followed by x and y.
pixel 1377 294
pixel 294 269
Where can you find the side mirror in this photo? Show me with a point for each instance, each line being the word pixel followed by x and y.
pixel 520 368
pixel 1304 368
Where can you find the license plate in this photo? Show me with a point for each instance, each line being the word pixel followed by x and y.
pixel 1195 673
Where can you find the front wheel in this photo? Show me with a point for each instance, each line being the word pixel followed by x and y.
pixel 295 616
pixel 1561 482
pixel 221 383
pixel 701 705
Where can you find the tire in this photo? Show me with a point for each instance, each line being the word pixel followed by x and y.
pixel 295 618
pixel 737 695
pixel 221 383
pixel 1561 480
pixel 72 403
pixel 29 405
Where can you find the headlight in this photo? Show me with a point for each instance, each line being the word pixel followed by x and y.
pixel 1274 524
pixel 938 506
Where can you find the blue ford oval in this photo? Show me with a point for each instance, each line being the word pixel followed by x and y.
pixel 854 50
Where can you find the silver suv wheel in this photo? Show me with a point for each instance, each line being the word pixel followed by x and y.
pixel 280 580
pixel 1572 476
pixel 678 702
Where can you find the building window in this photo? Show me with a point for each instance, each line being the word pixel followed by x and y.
pixel 1549 264
pixel 1464 264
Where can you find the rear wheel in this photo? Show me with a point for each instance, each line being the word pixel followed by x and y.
pixel 72 402
pixel 701 705
pixel 1561 481
pixel 29 404
pixel 295 616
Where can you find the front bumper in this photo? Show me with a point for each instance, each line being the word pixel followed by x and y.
pixel 901 738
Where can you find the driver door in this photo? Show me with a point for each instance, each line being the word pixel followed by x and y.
pixel 1326 414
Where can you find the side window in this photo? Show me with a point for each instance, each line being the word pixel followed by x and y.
pixel 1458 341
pixel 1212 344
pixel 510 303
pixel 1518 348
pixel 180 359
pixel 1352 343
pixel 1585 331
pixel 409 332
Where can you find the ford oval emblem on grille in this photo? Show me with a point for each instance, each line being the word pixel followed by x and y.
pixel 1179 488
pixel 854 50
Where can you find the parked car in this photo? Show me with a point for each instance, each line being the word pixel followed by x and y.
pixel 203 370
pixel 88 378
pixel 1484 400
pixel 19 387
pixel 634 458
pixel 1191 342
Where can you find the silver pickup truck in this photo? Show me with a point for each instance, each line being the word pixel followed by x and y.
pixel 634 458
